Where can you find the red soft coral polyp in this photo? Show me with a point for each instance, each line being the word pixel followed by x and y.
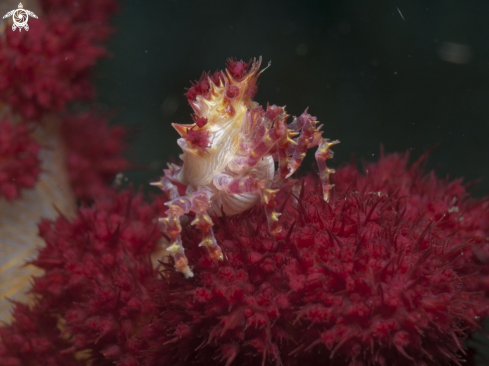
pixel 97 286
pixel 33 337
pixel 237 69
pixel 197 138
pixel 19 162
pixel 94 153
pixel 445 202
pixel 202 86
pixel 43 69
pixel 364 279
pixel 353 281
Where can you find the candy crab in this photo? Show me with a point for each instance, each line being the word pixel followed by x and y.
pixel 229 156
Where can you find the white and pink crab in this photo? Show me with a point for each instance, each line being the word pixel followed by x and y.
pixel 229 153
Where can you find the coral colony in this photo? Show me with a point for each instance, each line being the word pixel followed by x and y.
pixel 388 268
pixel 40 71
pixel 50 156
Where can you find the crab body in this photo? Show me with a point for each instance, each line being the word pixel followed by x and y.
pixel 229 155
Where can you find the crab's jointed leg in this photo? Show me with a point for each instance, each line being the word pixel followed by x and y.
pixel 324 153
pixel 198 202
pixel 266 131
pixel 285 144
pixel 250 184
pixel 201 201
pixel 310 136
pixel 177 207
pixel 171 223
pixel 167 182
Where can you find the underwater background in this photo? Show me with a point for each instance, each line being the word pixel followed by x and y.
pixel 406 74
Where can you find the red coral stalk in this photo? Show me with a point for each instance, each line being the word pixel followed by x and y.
pixel 94 153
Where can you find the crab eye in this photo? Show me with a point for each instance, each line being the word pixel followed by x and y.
pixel 232 92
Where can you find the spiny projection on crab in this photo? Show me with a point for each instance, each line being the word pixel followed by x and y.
pixel 229 153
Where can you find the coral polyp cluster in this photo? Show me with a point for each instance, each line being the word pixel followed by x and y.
pixel 353 280
pixel 43 69
pixel 19 163
pixel 390 268
pixel 363 279
pixel 238 71
pixel 45 160
pixel 96 288
pixel 94 153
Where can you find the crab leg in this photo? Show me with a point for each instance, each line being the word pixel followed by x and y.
pixel 198 202
pixel 250 184
pixel 324 153
pixel 177 207
pixel 310 136
pixel 167 183
pixel 267 137
pixel 171 226
pixel 266 133
pixel 201 201
pixel 285 143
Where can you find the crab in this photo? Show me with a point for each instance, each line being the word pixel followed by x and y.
pixel 229 156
